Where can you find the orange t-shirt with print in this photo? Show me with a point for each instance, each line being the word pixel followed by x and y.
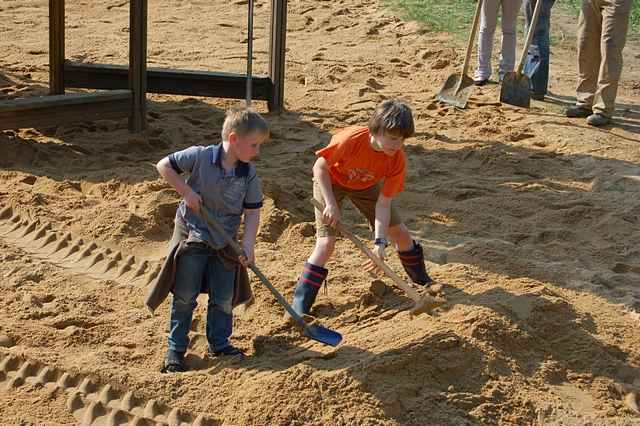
pixel 354 164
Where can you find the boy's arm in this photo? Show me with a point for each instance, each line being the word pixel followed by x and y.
pixel 383 216
pixel 251 225
pixel 192 199
pixel 331 213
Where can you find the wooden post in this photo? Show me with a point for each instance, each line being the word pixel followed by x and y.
pixel 138 64
pixel 56 47
pixel 277 45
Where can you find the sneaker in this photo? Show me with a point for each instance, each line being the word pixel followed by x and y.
pixel 481 82
pixel 598 119
pixel 577 111
pixel 174 362
pixel 227 351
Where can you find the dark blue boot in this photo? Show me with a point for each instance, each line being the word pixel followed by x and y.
pixel 413 263
pixel 307 288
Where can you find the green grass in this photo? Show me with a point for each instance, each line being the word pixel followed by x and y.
pixel 455 16
pixel 452 16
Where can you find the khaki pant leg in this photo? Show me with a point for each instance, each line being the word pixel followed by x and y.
pixel 589 27
pixel 365 201
pixel 615 22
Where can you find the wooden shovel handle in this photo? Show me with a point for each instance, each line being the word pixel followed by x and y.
pixel 413 294
pixel 472 38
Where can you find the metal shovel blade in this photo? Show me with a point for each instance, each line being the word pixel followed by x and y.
pixel 456 90
pixel 515 90
pixel 323 335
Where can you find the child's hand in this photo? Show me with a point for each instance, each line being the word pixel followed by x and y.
pixel 370 266
pixel 331 215
pixel 248 258
pixel 193 200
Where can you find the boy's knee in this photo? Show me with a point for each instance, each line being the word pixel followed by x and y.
pixel 222 304
pixel 398 231
pixel 184 300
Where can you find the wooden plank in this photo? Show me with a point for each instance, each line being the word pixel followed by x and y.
pixel 277 46
pixel 56 110
pixel 56 47
pixel 168 81
pixel 138 63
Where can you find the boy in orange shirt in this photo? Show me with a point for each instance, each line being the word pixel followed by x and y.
pixel 367 166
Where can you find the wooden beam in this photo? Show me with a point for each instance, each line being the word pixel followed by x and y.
pixel 138 63
pixel 168 81
pixel 56 47
pixel 56 110
pixel 277 46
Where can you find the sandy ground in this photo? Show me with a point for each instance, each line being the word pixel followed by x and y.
pixel 531 222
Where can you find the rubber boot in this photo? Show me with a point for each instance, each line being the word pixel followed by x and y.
pixel 413 263
pixel 307 288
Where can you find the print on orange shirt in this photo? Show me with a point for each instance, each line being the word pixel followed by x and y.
pixel 354 164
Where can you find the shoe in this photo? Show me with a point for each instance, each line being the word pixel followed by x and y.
pixel 537 96
pixel 598 119
pixel 227 351
pixel 577 111
pixel 174 362
pixel 481 82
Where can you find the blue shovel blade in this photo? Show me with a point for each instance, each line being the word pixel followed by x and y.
pixel 323 335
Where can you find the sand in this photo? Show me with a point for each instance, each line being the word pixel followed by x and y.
pixel 530 221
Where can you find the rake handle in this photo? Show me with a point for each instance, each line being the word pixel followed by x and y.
pixel 472 38
pixel 379 262
pixel 532 29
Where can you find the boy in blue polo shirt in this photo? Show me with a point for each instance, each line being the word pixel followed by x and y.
pixel 221 178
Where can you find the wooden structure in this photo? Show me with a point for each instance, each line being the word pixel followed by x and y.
pixel 59 108
pixel 127 86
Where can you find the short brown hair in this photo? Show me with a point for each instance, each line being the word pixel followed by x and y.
pixel 392 116
pixel 243 121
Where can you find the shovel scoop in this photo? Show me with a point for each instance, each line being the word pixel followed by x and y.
pixel 458 87
pixel 515 89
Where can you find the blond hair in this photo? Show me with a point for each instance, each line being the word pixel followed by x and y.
pixel 243 121
pixel 392 116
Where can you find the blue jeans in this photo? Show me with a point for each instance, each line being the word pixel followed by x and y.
pixel 194 264
pixel 537 62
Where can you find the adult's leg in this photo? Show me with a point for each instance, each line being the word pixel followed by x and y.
pixel 538 53
pixel 589 30
pixel 510 9
pixel 615 22
pixel 488 21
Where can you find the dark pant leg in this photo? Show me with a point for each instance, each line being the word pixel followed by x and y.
pixel 191 265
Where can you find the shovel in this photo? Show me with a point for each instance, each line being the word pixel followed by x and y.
pixel 421 304
pixel 515 85
pixel 313 331
pixel 458 88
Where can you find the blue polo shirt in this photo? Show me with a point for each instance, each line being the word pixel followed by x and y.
pixel 225 194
